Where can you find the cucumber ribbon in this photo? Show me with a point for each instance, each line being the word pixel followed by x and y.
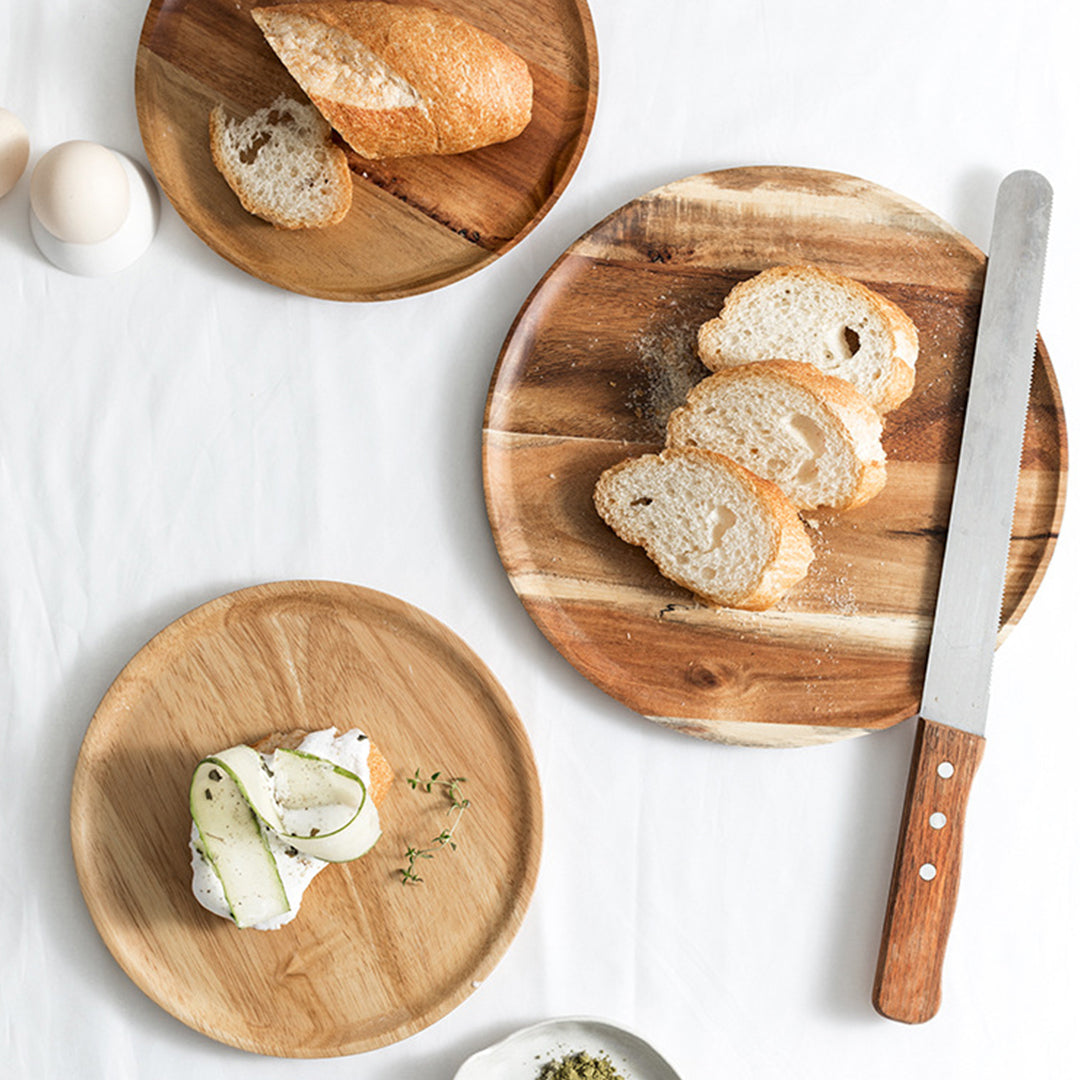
pixel 310 804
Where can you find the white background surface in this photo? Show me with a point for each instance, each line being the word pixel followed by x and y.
pixel 181 429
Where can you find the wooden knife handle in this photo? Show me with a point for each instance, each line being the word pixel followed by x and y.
pixel 926 874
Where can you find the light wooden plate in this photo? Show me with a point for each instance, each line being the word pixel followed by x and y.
pixel 415 223
pixel 602 351
pixel 367 960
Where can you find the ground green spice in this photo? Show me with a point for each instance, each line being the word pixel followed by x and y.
pixel 580 1066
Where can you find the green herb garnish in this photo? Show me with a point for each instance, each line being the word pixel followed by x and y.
pixel 458 805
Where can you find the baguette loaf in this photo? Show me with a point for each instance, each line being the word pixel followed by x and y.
pixel 813 435
pixel 396 81
pixel 810 314
pixel 283 165
pixel 708 524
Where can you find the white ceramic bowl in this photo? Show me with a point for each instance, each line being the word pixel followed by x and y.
pixel 522 1055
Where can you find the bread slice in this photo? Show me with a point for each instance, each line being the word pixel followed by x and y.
pixel 380 771
pixel 810 314
pixel 710 525
pixel 283 165
pixel 397 80
pixel 813 435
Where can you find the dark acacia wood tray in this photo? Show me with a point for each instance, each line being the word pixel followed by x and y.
pixel 416 223
pixel 601 353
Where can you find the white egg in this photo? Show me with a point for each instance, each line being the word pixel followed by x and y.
pixel 14 150
pixel 79 192
pixel 93 210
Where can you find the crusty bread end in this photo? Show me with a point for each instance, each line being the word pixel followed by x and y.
pixel 397 80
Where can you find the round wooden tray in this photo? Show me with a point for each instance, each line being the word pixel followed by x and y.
pixel 602 351
pixel 368 960
pixel 416 223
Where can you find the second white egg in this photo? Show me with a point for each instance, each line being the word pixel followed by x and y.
pixel 14 150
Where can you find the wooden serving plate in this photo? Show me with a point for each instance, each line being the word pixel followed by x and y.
pixel 368 960
pixel 415 223
pixel 602 351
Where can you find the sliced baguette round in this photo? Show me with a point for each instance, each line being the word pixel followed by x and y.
pixel 397 80
pixel 379 769
pixel 283 165
pixel 726 534
pixel 813 435
pixel 810 314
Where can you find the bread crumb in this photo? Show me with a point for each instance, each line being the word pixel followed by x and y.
pixel 669 366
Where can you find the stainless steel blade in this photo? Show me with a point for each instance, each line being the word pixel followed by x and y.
pixel 957 686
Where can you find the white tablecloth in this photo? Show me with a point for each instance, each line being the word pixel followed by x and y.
pixel 182 429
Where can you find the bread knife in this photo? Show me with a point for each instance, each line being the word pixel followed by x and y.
pixel 949 737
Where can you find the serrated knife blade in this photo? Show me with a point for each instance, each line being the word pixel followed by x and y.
pixel 949 738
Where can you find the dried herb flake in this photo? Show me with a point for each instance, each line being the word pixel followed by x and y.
pixel 580 1066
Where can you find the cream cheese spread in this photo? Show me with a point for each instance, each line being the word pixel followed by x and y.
pixel 296 869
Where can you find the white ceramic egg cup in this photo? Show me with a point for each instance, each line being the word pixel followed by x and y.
pixel 117 251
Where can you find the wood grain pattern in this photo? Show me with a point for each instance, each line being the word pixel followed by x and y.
pixel 926 873
pixel 602 351
pixel 416 223
pixel 367 960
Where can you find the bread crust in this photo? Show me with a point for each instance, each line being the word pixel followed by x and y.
pixel 380 770
pixel 854 420
pixel 473 90
pixel 790 552
pixel 899 380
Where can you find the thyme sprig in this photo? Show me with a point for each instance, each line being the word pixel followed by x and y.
pixel 458 805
